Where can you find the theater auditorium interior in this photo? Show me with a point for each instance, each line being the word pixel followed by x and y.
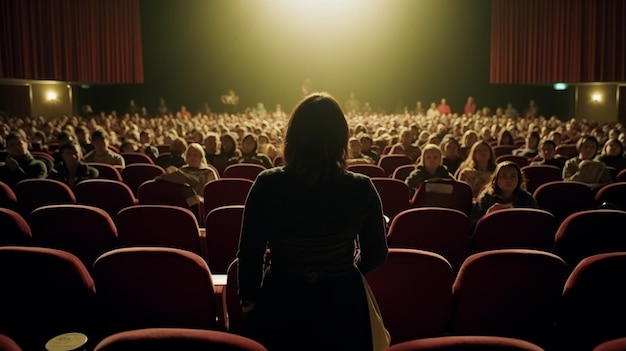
pixel 128 255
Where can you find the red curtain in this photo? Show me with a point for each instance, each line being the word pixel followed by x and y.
pixel 96 41
pixel 547 41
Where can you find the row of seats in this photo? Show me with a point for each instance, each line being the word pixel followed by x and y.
pixel 166 339
pixel 519 293
pixel 559 197
pixel 47 292
pixel 448 232
pixel 88 232
pixel 439 229
pixel 114 195
pixel 515 293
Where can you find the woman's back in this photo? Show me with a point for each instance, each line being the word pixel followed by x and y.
pixel 324 228
pixel 318 223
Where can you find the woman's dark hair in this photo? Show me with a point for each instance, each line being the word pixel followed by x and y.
pixel 69 145
pixel 492 187
pixel 506 134
pixel 254 138
pixel 547 142
pixel 316 139
pixel 616 142
pixel 233 138
pixel 583 139
pixel 42 136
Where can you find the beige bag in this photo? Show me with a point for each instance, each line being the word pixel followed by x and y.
pixel 380 336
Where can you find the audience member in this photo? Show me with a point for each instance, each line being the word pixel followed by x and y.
pixel 485 135
pixel 249 152
pixel 367 144
pixel 444 108
pixel 229 152
pixel 479 166
pixel 432 111
pixel 555 136
pixel 83 138
pixel 20 164
pixel 470 107
pixel 195 172
pixel 312 296
pixel 61 137
pixel 451 157
pixel 355 155
pixel 174 158
pixel 101 152
pixel 71 169
pixel 547 151
pixel 584 167
pixel 469 138
pixel 505 137
pixel 531 148
pixel 266 147
pixel 38 141
pixel 612 155
pixel 145 145
pixel 211 146
pixel 430 166
pixel 405 146
pixel 505 190
pixel 510 111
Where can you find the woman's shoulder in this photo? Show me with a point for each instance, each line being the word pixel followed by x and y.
pixel 354 176
pixel 273 174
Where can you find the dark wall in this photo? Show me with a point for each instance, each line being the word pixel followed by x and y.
pixel 392 56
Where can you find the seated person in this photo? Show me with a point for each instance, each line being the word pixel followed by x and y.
pixel 355 156
pixel 613 155
pixel 196 173
pixel 266 147
pixel 547 150
pixel 229 153
pixel 129 145
pixel 249 152
pixel 531 149
pixel 584 167
pixel 429 167
pixel 405 146
pixel 178 147
pixel 20 163
pixel 451 153
pixel 101 152
pixel 211 146
pixel 367 144
pixel 478 168
pixel 82 136
pixel 61 138
pixel 505 190
pixel 505 137
pixel 71 170
pixel 145 141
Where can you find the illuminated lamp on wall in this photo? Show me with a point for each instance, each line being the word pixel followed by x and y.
pixel 596 98
pixel 559 86
pixel 52 96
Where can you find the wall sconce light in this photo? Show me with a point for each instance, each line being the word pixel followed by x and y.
pixel 596 98
pixel 52 96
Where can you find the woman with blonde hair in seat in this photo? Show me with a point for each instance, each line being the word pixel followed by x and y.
pixel 196 173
